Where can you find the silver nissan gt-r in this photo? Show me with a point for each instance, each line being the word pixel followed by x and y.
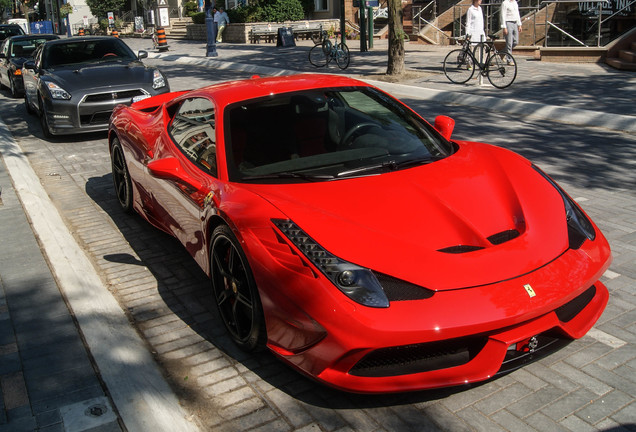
pixel 73 84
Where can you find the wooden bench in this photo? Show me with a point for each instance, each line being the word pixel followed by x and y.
pixel 306 30
pixel 264 31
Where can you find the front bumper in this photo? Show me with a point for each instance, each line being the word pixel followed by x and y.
pixel 91 112
pixel 455 337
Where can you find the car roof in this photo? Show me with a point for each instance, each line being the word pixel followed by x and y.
pixel 34 36
pixel 241 90
pixel 81 39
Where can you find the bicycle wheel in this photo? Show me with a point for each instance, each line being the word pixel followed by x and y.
pixel 327 48
pixel 342 55
pixel 501 69
pixel 458 66
pixel 317 56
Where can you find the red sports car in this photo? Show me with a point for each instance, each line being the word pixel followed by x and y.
pixel 360 244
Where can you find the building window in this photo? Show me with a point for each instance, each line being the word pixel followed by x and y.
pixel 321 5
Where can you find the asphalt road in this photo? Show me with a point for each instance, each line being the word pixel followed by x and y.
pixel 589 385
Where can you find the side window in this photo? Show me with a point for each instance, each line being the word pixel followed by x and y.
pixel 192 130
pixel 4 48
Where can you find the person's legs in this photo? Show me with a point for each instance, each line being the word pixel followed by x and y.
pixel 219 33
pixel 512 38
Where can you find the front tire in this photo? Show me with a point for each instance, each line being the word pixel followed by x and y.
pixel 458 66
pixel 44 121
pixel 14 91
pixel 121 177
pixel 502 70
pixel 342 55
pixel 317 57
pixel 235 291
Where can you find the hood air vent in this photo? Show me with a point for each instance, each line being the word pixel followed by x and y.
pixel 495 239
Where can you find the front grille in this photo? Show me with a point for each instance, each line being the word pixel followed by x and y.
pixel 572 308
pixel 112 96
pixel 399 290
pixel 96 118
pixel 425 357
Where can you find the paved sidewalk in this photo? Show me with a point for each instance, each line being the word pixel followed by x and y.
pixel 47 378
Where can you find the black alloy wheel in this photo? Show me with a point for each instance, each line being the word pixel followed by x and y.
pixel 121 177
pixel 44 121
pixel 235 291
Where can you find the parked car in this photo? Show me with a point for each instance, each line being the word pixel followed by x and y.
pixel 14 51
pixel 73 84
pixel 361 245
pixel 8 30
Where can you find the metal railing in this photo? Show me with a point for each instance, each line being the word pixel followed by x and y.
pixel 543 29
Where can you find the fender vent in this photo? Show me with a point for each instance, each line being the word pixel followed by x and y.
pixel 576 305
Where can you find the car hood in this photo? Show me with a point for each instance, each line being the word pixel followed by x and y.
pixel 77 77
pixel 415 224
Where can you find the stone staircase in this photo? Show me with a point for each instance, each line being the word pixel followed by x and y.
pixel 178 28
pixel 625 60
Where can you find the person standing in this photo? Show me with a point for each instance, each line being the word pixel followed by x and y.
pixel 510 23
pixel 475 23
pixel 221 22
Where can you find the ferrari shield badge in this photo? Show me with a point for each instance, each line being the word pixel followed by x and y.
pixel 208 199
pixel 529 290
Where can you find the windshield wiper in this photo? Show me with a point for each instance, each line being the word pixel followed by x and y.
pixel 289 174
pixel 389 165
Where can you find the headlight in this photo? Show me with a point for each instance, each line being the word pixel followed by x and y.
pixel 579 226
pixel 158 80
pixel 57 92
pixel 357 283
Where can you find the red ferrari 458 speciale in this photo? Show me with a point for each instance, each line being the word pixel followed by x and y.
pixel 360 244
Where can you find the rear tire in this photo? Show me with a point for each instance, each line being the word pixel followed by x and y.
pixel 502 70
pixel 342 55
pixel 458 66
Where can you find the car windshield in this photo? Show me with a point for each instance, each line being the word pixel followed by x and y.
pixel 86 51
pixel 25 47
pixel 326 134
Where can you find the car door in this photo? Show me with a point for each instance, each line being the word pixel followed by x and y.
pixel 5 62
pixel 30 78
pixel 183 174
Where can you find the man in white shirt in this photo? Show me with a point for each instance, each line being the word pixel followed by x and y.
pixel 510 23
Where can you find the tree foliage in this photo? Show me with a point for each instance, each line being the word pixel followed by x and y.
pixel 268 11
pixel 5 3
pixel 100 8
pixel 396 39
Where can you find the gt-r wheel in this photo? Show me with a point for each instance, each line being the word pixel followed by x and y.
pixel 44 121
pixel 235 291
pixel 27 104
pixel 121 177
pixel 13 89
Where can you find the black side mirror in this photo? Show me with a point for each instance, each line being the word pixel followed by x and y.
pixel 29 64
pixel 142 54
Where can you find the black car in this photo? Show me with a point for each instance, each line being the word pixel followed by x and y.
pixel 74 83
pixel 14 51
pixel 8 30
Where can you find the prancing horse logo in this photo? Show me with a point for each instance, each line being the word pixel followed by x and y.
pixel 529 290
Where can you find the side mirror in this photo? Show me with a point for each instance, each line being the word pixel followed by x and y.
pixel 142 54
pixel 29 64
pixel 170 169
pixel 445 126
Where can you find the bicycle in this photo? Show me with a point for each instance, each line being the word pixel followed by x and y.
pixel 500 68
pixel 324 51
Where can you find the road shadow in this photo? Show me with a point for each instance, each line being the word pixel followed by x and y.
pixel 185 289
